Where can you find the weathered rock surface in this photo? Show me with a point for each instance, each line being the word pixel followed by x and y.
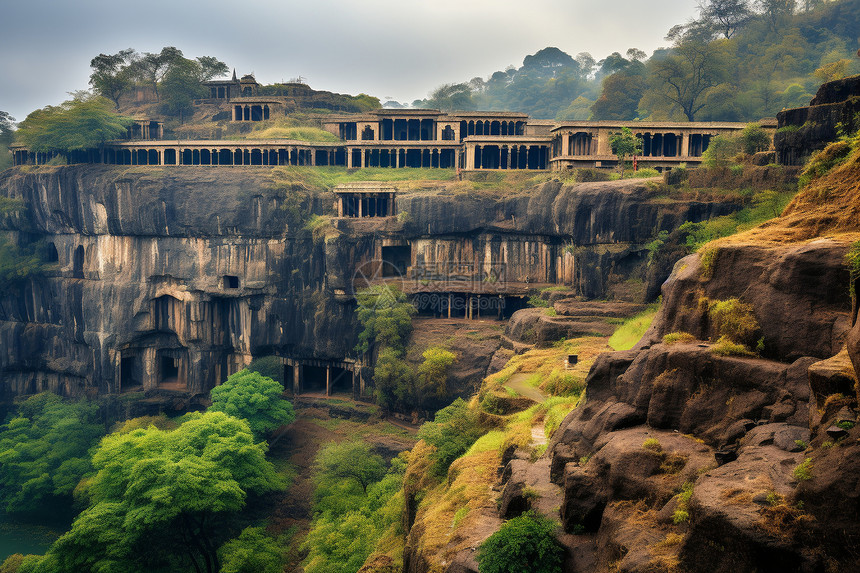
pixel 177 277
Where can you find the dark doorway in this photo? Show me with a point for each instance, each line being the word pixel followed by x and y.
pixel 341 380
pixel 169 373
pixel 231 281
pixel 129 374
pixel 78 265
pixel 396 260
pixel 313 378
pixel 52 255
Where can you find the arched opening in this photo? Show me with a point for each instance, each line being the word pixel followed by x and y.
pixel 448 133
pixel 170 157
pixel 78 263
pixel 153 157
pixel 495 128
pixel 205 157
pixel 341 380
pixel 237 113
pixel 51 254
pixel 172 369
pixel 265 112
pixel 367 134
pixel 256 157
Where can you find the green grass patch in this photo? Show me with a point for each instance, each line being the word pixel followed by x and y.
pixel 630 332
pixel 491 441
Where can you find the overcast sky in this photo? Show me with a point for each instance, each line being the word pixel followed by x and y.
pixel 398 49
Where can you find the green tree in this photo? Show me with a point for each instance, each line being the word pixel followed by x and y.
pixel 386 317
pixel 525 543
pixel 254 398
pixel 753 138
pixel 270 367
pixel 624 143
pixel 685 75
pixel 174 490
pixel 350 460
pixel 85 122
pixel 620 96
pixel 19 264
pixel 112 74
pixel 449 97
pixel 151 68
pixel 252 552
pixel 725 16
pixel 433 372
pixel 7 136
pixel 393 380
pixel 45 451
pixel 181 85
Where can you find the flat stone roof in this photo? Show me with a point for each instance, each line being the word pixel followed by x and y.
pixel 365 187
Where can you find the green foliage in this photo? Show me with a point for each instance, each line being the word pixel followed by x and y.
pixel 721 151
pixel 45 451
pixel 652 445
pixel 753 138
pixel 85 122
pixel 433 372
pixel 726 347
pixel 252 552
pixel 393 379
pixel 348 521
pixel 19 264
pixel 845 424
pixel 623 144
pixel 852 259
pixel 538 302
pixel 803 472
pixel 682 337
pixel 349 460
pixel 18 563
pixel 386 317
pixel 561 383
pixel 181 85
pixel 7 136
pixel 112 76
pixel 255 399
pixel 681 513
pixel 168 489
pixel 270 367
pixel 734 320
pixel 453 430
pixel 825 160
pixel 525 543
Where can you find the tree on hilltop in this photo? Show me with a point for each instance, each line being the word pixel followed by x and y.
pixel 113 74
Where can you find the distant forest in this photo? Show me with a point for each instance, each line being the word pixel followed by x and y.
pixel 740 60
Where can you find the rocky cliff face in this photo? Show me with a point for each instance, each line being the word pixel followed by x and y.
pixel 805 130
pixel 172 279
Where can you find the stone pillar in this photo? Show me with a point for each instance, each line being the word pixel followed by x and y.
pixel 363 161
pixel 297 378
pixel 450 297
pixel 684 148
pixel 328 380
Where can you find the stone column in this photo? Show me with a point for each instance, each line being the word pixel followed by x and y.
pixel 685 145
pixel 328 380
pixel 297 378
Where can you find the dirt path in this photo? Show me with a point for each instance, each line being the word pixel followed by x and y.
pixel 518 384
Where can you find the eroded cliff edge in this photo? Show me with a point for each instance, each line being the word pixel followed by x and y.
pixel 170 279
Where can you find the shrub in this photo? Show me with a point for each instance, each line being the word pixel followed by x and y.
pixel 454 429
pixel 525 543
pixel 734 320
pixel 725 347
pixel 803 472
pixel 678 337
pixel 433 372
pixel 652 445
pixel 681 513
pixel 253 551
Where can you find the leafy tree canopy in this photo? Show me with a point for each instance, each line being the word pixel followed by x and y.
pixel 254 398
pixel 624 144
pixel 353 460
pixel 167 489
pixel 45 450
pixel 252 552
pixel 84 122
pixel 7 136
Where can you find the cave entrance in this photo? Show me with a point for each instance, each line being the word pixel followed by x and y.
pixel 129 373
pixel 78 263
pixel 313 378
pixel 341 381
pixel 171 370
pixel 52 255
pixel 396 260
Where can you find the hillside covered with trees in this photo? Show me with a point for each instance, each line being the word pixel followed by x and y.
pixel 740 60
